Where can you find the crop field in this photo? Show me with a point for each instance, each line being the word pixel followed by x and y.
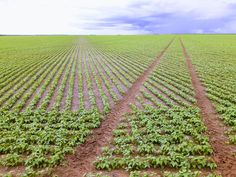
pixel 104 106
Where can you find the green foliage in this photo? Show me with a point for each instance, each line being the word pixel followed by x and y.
pixel 214 59
pixel 41 139
pixel 159 138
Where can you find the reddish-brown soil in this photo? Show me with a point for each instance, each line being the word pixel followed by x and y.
pixel 15 171
pixel 223 153
pixel 82 161
pixel 155 171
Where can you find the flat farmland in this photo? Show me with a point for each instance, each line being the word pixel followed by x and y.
pixel 138 105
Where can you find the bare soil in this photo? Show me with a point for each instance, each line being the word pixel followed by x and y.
pixel 55 93
pixel 36 91
pixel 75 99
pixel 108 65
pixel 114 88
pixel 149 102
pixel 96 92
pixel 81 162
pixel 66 89
pixel 161 92
pixel 138 104
pixel 15 171
pixel 104 88
pixel 223 153
pixel 48 86
pixel 169 91
pixel 122 73
pixel 87 104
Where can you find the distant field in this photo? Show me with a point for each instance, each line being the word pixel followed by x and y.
pixel 118 105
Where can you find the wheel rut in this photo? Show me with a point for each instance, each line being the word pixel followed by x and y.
pixel 226 163
pixel 81 162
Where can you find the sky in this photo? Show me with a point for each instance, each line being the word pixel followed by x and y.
pixel 117 16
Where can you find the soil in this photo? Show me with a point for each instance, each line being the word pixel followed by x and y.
pixel 26 89
pixel 54 96
pixel 36 91
pixel 138 104
pixel 85 87
pixel 15 171
pixel 104 88
pixel 223 153
pixel 169 91
pixel 48 86
pixel 96 92
pixel 121 71
pixel 114 88
pixel 22 88
pixel 156 171
pixel 108 65
pixel 161 92
pixel 149 102
pixel 75 99
pixel 81 162
pixel 66 89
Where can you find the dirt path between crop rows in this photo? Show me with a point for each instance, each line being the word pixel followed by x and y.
pixel 82 162
pixel 226 163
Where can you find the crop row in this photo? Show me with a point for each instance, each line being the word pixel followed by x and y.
pixel 51 105
pixel 68 79
pixel 214 59
pixel 167 133
pixel 170 84
pixel 160 138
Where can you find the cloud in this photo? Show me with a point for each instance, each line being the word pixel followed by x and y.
pixel 116 17
pixel 229 27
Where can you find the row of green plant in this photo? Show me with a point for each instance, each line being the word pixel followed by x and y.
pixel 181 173
pixel 169 134
pixel 170 84
pixel 40 139
pixel 214 59
pixel 158 138
pixel 38 125
pixel 36 69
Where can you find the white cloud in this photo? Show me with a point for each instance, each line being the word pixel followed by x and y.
pixel 229 27
pixel 198 31
pixel 73 16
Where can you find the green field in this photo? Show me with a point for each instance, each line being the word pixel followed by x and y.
pixel 56 90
